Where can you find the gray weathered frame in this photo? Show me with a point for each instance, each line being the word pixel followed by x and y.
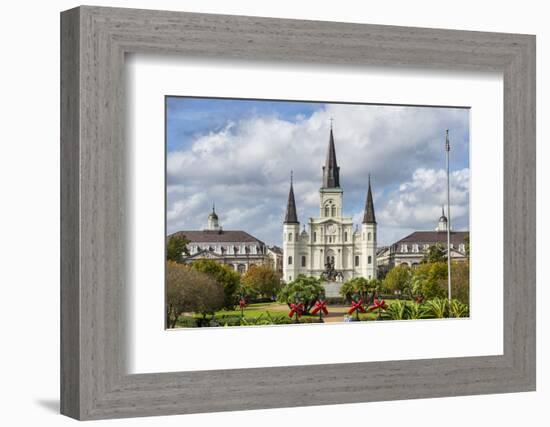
pixel 94 41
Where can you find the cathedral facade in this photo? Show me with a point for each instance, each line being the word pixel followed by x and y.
pixel 330 247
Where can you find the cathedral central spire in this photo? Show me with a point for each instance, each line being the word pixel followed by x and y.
pixel 369 217
pixel 331 170
pixel 291 217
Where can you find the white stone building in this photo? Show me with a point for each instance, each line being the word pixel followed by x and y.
pixel 236 248
pixel 330 240
pixel 411 249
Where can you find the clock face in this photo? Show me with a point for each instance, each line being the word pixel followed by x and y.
pixel 331 229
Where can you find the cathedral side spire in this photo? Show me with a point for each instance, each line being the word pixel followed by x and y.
pixel 291 217
pixel 369 217
pixel 331 171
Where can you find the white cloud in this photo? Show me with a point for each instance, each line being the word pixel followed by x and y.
pixel 245 168
pixel 416 204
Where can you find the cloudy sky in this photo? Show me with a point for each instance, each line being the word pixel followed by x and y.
pixel 239 154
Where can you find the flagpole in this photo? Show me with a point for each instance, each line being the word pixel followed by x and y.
pixel 447 149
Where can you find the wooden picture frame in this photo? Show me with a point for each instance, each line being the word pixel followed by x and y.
pixel 94 41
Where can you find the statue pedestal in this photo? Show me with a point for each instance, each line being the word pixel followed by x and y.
pixel 332 289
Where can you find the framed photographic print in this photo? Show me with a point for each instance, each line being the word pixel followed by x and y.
pixel 296 212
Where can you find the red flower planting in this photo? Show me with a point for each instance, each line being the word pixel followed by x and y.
pixel 320 306
pixel 378 305
pixel 296 309
pixel 356 306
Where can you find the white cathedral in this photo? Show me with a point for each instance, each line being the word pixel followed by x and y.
pixel 330 248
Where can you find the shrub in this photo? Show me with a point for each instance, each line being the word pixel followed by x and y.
pixel 398 310
pixel 458 309
pixel 437 308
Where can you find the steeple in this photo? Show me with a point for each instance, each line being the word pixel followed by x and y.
pixel 213 224
pixel 369 217
pixel 291 216
pixel 443 223
pixel 331 171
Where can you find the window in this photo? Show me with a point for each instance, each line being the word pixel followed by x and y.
pixel 404 248
pixel 326 210
pixel 290 260
pixel 303 260
pixel 290 278
pixel 426 247
pixel 462 247
pixel 370 259
pixel 314 236
pixel 345 236
pixel 415 248
pixel 357 260
pixel 369 237
pixel 290 237
pixel 333 210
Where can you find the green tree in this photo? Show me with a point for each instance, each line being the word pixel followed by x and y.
pixel 435 253
pixel 460 281
pixel 224 275
pixel 188 290
pixel 360 286
pixel 430 280
pixel 398 279
pixel 261 280
pixel 176 247
pixel 304 289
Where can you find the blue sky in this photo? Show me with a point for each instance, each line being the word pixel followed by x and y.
pixel 239 153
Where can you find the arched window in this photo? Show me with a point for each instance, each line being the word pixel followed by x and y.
pixel 290 237
pixel 314 236
pixel 345 236
pixel 327 210
pixel 369 236
pixel 303 260
pixel 290 260
pixel 333 213
pixel 370 259
pixel 357 260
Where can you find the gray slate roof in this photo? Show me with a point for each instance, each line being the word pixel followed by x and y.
pixel 431 237
pixel 222 236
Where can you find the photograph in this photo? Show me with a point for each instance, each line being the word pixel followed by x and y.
pixel 286 212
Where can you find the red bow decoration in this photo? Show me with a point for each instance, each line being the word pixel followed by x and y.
pixel 356 306
pixel 242 303
pixel 378 304
pixel 320 306
pixel 296 309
